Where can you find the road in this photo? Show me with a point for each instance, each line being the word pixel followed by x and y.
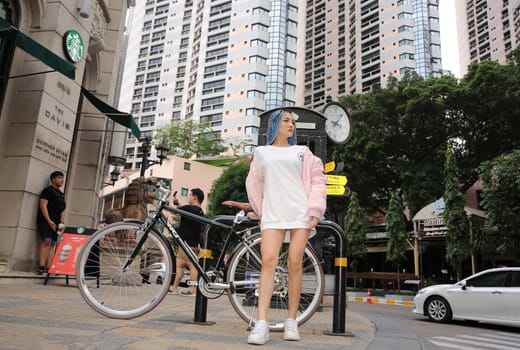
pixel 399 328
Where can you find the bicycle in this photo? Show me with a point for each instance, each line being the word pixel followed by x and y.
pixel 112 267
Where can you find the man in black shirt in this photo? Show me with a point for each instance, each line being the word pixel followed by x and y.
pixel 191 231
pixel 51 213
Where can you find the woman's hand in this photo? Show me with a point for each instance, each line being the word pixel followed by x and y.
pixel 313 222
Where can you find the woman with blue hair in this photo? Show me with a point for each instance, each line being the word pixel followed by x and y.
pixel 286 188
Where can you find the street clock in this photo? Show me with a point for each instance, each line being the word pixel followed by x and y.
pixel 337 124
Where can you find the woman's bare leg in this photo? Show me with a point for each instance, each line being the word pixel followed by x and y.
pixel 270 248
pixel 299 239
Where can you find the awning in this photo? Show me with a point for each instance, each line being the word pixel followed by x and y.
pixel 121 118
pixel 36 50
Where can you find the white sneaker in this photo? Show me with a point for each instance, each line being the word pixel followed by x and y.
pixel 290 330
pixel 260 334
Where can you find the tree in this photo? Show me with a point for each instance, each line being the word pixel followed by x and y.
pixel 231 185
pixel 486 114
pixel 398 133
pixel 355 230
pixel 186 138
pixel 457 224
pixel 501 199
pixel 397 235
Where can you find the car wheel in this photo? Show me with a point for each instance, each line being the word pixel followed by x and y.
pixel 438 309
pixel 159 280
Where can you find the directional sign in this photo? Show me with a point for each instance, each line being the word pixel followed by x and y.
pixel 330 166
pixel 336 180
pixel 335 190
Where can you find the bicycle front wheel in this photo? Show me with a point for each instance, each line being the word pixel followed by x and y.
pixel 244 271
pixel 114 289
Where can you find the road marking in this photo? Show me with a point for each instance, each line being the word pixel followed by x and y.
pixel 476 342
pixel 452 346
pixel 497 341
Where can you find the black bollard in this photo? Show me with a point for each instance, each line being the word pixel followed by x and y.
pixel 201 302
pixel 340 279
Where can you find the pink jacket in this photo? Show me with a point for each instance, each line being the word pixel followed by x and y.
pixel 313 179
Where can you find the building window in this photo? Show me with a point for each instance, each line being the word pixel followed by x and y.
pixel 184 192
pixel 258 42
pixel 260 11
pixel 218 9
pixel 250 130
pixel 404 15
pixel 406 56
pixel 187 166
pixel 253 111
pixel 291 54
pixel 257 59
pixel 213 86
pixel 212 103
pixel 290 87
pixel 255 93
pixel 256 76
pixel 215 70
pixel 405 29
pixel 405 42
pixel 259 27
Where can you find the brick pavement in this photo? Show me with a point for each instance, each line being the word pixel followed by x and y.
pixel 54 316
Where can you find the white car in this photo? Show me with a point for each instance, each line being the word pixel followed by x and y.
pixel 155 273
pixel 490 296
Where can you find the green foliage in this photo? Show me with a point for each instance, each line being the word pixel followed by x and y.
pixel 398 135
pixel 355 230
pixel 231 185
pixel 186 138
pixel 501 195
pixel 488 114
pixel 457 224
pixel 396 230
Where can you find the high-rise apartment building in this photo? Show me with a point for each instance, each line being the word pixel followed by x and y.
pixel 352 45
pixel 487 30
pixel 217 61
pixel 225 61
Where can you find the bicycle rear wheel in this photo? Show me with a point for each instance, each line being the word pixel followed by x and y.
pixel 122 292
pixel 244 271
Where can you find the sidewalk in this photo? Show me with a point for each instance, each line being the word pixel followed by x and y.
pixel 54 316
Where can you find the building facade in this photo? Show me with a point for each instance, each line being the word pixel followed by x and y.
pixel 353 45
pixel 51 51
pixel 487 30
pixel 224 62
pixel 220 62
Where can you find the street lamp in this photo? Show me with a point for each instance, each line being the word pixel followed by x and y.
pixel 114 176
pixel 419 236
pixel 162 153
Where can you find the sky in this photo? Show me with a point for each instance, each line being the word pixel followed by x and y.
pixel 449 46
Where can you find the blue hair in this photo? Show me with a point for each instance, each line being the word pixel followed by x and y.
pixel 272 128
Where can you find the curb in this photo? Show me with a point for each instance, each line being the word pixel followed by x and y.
pixel 375 300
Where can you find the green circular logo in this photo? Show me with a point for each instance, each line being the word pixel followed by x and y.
pixel 73 46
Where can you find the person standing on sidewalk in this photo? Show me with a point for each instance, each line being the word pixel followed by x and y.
pixel 191 231
pixel 286 188
pixel 51 215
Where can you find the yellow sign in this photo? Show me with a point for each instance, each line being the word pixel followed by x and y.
pixel 330 166
pixel 340 262
pixel 336 180
pixel 335 190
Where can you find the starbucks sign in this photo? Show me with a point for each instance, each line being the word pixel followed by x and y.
pixel 73 46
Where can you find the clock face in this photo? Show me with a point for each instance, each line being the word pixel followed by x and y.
pixel 337 125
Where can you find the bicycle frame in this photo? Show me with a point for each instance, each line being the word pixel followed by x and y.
pixel 149 224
